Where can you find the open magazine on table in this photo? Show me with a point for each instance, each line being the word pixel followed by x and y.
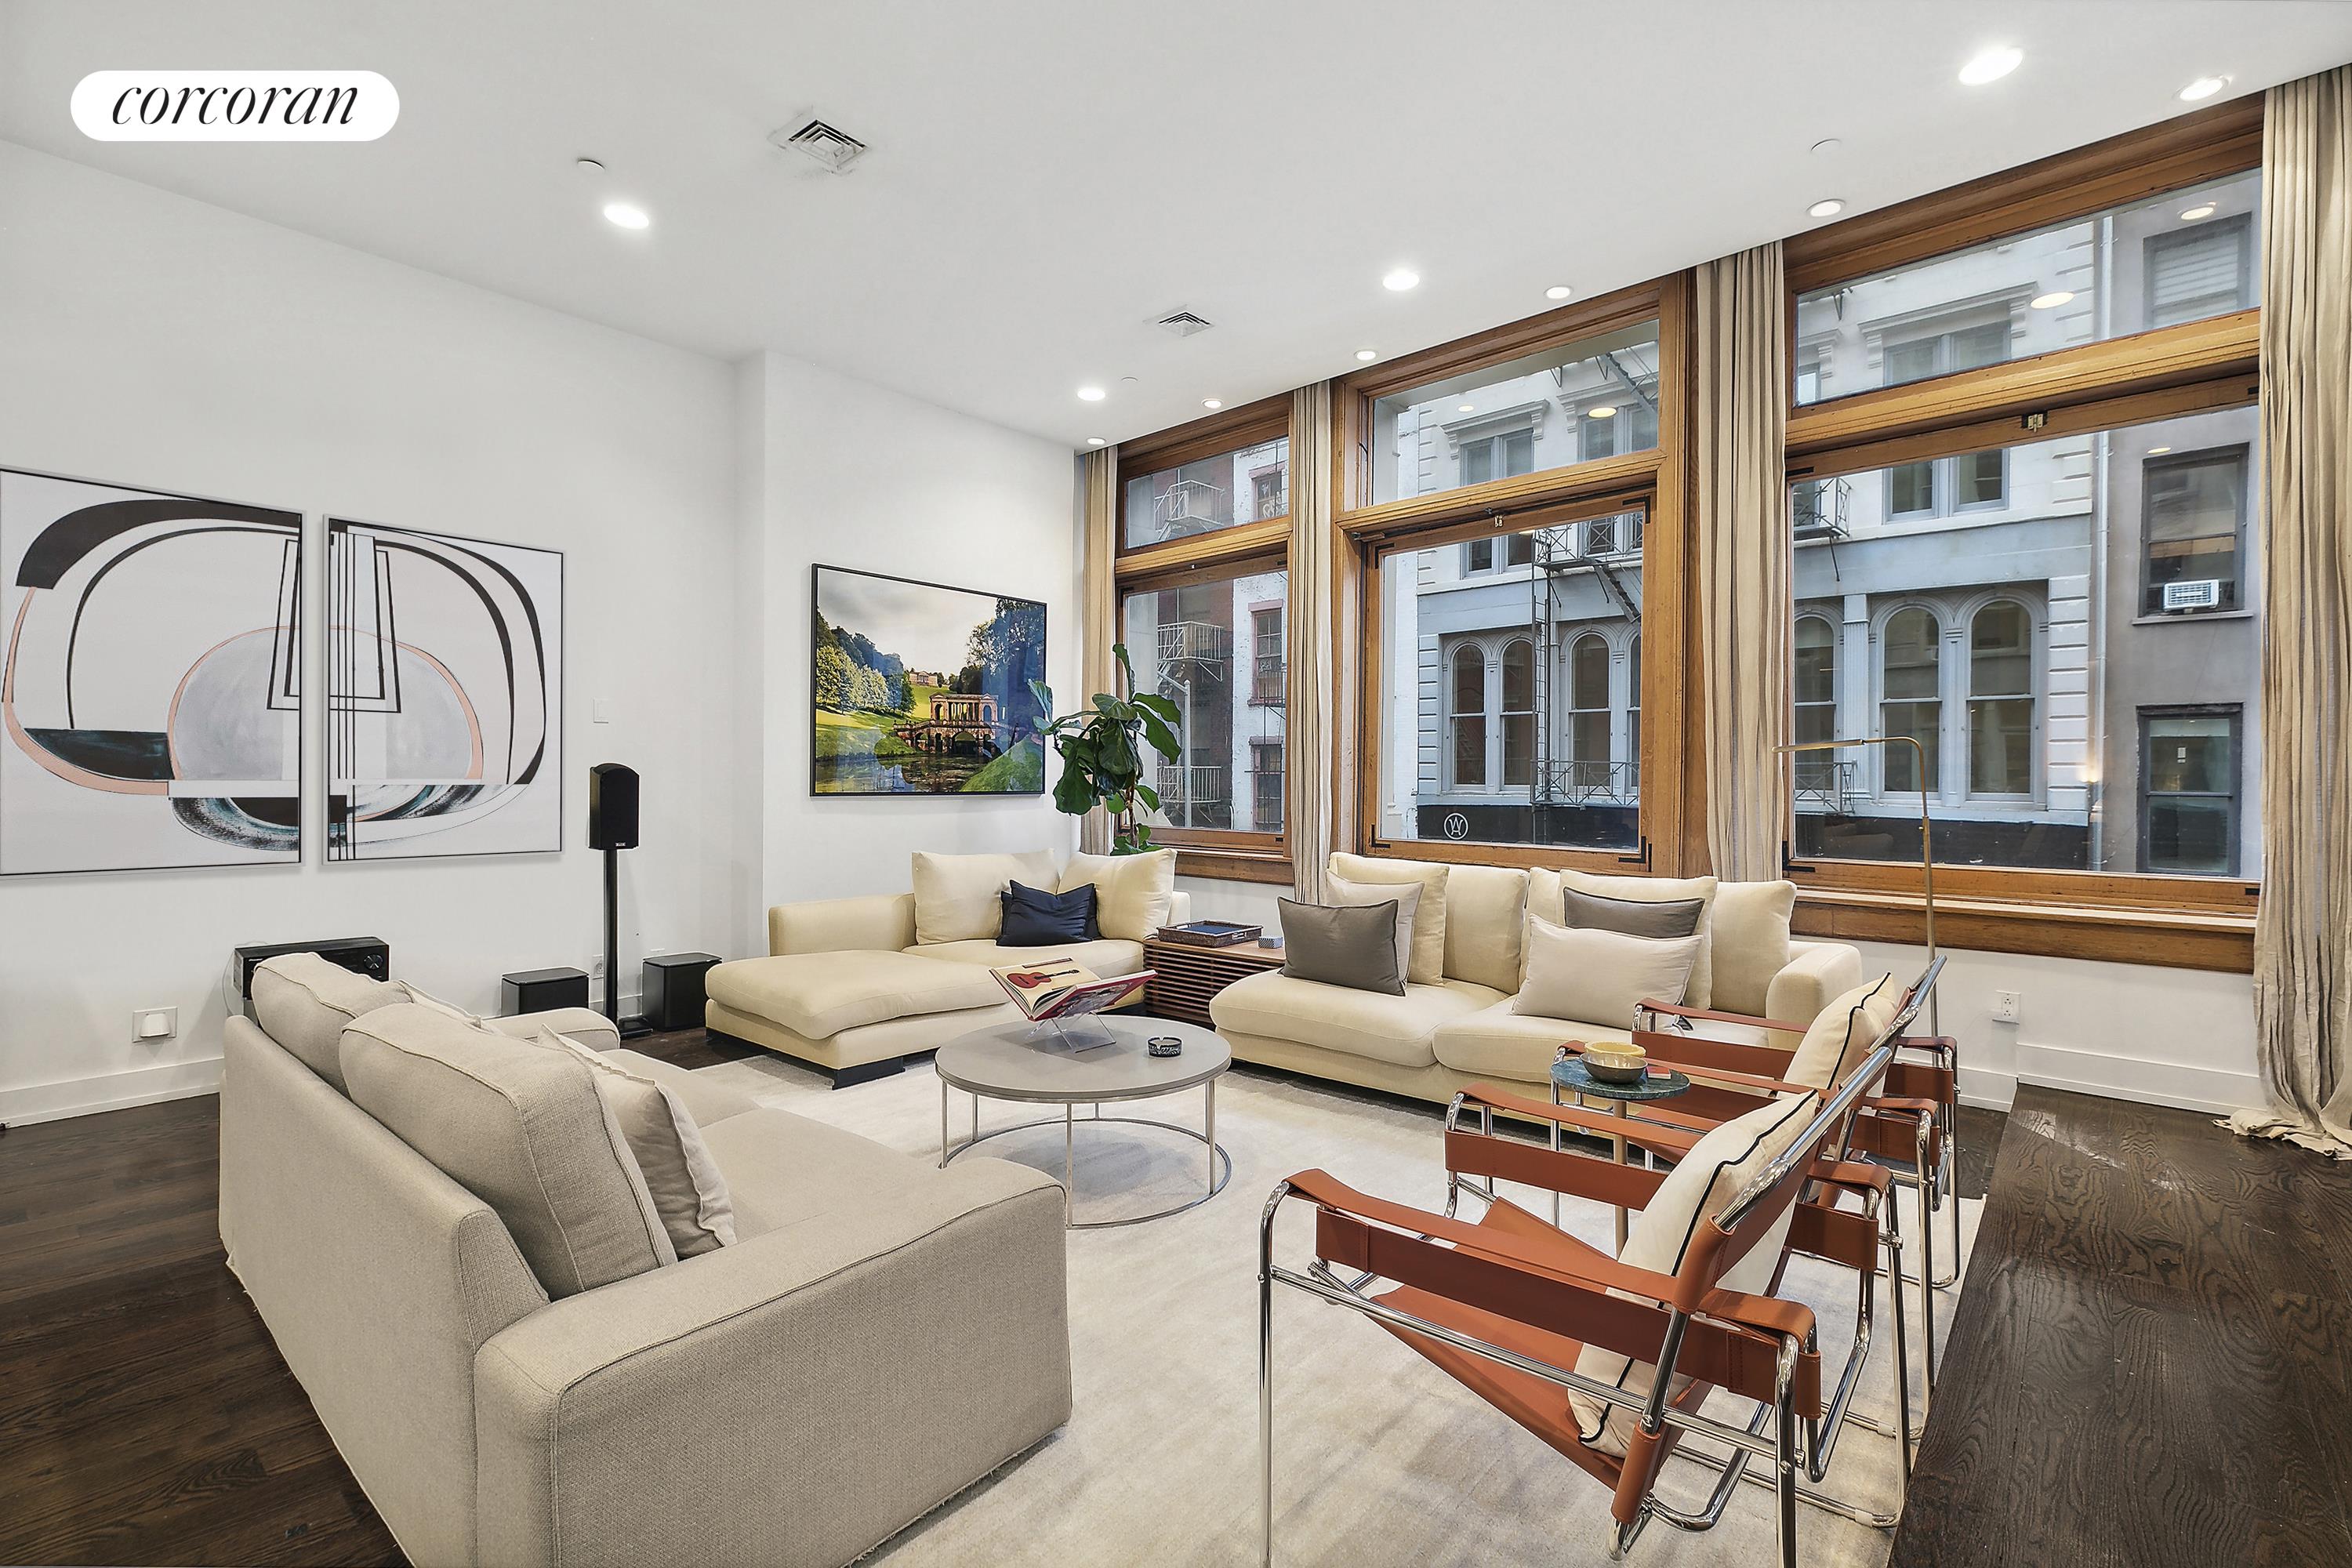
pixel 1058 988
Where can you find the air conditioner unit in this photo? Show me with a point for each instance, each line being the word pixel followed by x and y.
pixel 2202 595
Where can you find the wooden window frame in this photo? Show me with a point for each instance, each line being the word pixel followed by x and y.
pixel 1242 550
pixel 2159 374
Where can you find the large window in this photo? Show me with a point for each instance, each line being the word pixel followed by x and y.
pixel 2015 645
pixel 2182 257
pixel 1205 494
pixel 1195 645
pixel 1594 397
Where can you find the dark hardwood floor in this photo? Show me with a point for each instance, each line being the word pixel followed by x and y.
pixel 2147 1368
pixel 2149 1363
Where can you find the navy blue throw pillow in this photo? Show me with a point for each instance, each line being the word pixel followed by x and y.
pixel 1033 918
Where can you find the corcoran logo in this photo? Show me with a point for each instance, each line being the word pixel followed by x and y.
pixel 235 106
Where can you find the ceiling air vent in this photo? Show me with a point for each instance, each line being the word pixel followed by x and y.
pixel 1183 324
pixel 836 150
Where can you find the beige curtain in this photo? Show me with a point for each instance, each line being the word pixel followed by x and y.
pixel 2303 937
pixel 1098 529
pixel 1740 407
pixel 1311 747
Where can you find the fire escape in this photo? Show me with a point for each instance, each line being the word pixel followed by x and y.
pixel 1602 548
pixel 1192 654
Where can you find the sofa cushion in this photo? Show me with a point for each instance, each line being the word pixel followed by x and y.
pixel 1693 1192
pixel 1393 1029
pixel 1035 918
pixel 1601 974
pixel 1134 894
pixel 682 1178
pixel 1543 899
pixel 1632 917
pixel 1747 943
pixel 1429 917
pixel 521 1126
pixel 818 994
pixel 706 1101
pixel 1106 958
pixel 956 896
pixel 1843 1032
pixel 1501 1042
pixel 1360 947
pixel 781 1169
pixel 1339 892
pixel 304 1002
pixel 1485 910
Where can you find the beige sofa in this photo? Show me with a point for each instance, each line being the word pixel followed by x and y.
pixel 1462 1030
pixel 881 1335
pixel 855 985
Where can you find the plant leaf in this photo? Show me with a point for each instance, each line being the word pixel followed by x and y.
pixel 1152 702
pixel 1148 795
pixel 1163 739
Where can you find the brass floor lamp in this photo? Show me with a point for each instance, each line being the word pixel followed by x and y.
pixel 1926 827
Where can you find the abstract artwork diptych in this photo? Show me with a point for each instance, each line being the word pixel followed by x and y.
pixel 149 679
pixel 444 695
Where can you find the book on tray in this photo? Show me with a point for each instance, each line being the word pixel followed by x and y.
pixel 1058 988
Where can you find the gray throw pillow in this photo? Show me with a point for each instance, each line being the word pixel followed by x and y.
pixel 1355 947
pixel 1658 922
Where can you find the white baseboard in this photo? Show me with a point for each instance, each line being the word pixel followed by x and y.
pixel 2216 1090
pixel 1987 1090
pixel 29 1103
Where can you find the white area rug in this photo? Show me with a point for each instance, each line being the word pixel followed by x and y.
pixel 1378 1458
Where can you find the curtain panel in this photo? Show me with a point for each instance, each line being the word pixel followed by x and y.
pixel 2302 935
pixel 1311 745
pixel 1098 536
pixel 1739 410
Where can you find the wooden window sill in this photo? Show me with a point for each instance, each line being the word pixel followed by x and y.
pixel 2171 939
pixel 1233 864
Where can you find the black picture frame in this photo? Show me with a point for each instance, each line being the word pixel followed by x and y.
pixel 985 602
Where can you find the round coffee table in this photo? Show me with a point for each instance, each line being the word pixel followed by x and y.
pixel 1101 1062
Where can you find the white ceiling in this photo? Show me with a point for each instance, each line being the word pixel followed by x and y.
pixel 1049 177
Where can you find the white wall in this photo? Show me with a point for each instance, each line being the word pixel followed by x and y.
pixel 859 477
pixel 147 339
pixel 2167 1036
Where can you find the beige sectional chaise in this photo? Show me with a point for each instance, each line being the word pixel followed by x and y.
pixel 854 986
pixel 881 1334
pixel 1460 1028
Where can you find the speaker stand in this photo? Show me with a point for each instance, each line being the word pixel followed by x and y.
pixel 631 1029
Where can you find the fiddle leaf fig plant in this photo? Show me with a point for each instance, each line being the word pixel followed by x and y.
pixel 1102 751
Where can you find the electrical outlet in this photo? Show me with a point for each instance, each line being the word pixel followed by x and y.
pixel 2005 1005
pixel 153 1024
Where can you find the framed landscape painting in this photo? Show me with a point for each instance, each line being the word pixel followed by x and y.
pixel 920 689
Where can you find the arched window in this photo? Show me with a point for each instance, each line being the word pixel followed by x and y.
pixel 1520 713
pixel 1469 717
pixel 1910 696
pixel 1587 718
pixel 2000 700
pixel 1816 685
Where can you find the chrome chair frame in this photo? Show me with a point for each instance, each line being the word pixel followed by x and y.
pixel 1654 1410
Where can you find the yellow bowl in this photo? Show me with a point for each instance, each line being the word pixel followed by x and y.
pixel 1617 1064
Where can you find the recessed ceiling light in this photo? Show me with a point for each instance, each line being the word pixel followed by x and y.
pixel 1213 403
pixel 2203 88
pixel 1097 441
pixel 2158 451
pixel 1403 278
pixel 588 165
pixel 1558 291
pixel 1368 355
pixel 2051 300
pixel 1465 408
pixel 1992 65
pixel 2201 211
pixel 623 216
pixel 1827 207
pixel 1091 394
pixel 1606 411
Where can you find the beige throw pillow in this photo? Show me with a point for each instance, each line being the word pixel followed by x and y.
pixel 1134 894
pixel 1747 943
pixel 520 1127
pixel 304 1002
pixel 1843 1032
pixel 1697 1190
pixel 1428 966
pixel 1543 899
pixel 1587 975
pixel 957 897
pixel 1406 897
pixel 688 1190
